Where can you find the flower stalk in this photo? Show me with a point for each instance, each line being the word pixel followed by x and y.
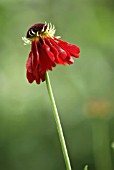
pixel 58 123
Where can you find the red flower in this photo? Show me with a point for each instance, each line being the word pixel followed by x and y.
pixel 46 51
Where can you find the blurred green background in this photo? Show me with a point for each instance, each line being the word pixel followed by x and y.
pixel 84 92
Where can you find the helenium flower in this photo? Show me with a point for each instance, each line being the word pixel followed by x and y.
pixel 46 51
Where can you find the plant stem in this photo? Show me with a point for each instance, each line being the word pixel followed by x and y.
pixel 57 119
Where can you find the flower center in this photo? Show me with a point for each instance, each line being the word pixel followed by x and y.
pixel 39 30
pixel 43 30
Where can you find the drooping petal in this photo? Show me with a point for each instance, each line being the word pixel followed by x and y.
pixel 29 72
pixel 62 53
pixel 71 48
pixel 42 76
pixel 49 52
pixel 32 65
pixel 54 50
pixel 30 76
pixel 45 61
pixel 69 60
pixel 37 76
pixel 29 63
pixel 35 52
pixel 35 61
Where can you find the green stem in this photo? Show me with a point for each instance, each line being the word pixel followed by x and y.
pixel 57 119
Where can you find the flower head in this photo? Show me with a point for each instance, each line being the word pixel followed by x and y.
pixel 46 51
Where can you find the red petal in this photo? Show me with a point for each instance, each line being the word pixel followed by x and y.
pixel 35 52
pixel 48 51
pixel 45 61
pixel 42 76
pixel 62 55
pixel 37 78
pixel 29 63
pixel 29 77
pixel 55 52
pixel 71 48
pixel 69 60
pixel 32 65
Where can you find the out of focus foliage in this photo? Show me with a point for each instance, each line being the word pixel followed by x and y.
pixel 84 92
